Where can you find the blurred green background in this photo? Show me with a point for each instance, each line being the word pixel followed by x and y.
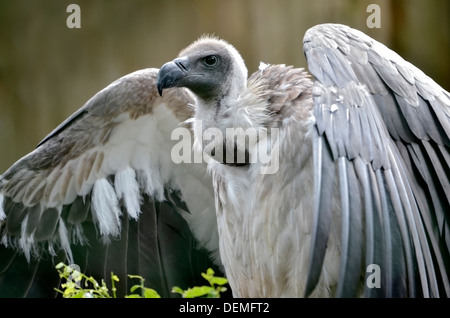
pixel 48 71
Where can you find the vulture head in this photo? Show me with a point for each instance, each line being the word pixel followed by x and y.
pixel 211 68
pixel 216 73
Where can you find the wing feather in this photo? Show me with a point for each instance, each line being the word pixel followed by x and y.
pixel 351 214
pixel 372 218
pixel 386 125
pixel 101 191
pixel 324 185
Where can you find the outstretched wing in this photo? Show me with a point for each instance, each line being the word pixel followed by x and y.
pixel 383 144
pixel 102 192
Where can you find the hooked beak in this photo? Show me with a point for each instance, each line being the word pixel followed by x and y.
pixel 171 73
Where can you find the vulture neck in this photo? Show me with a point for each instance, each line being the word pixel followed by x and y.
pixel 230 115
pixel 217 109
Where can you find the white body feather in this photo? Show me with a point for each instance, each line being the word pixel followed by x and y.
pixel 137 154
pixel 276 221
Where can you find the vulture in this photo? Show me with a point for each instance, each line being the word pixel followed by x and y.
pixel 332 183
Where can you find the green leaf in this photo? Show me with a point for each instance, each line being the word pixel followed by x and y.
pixel 218 280
pixel 133 288
pixel 60 265
pixel 177 290
pixel 197 291
pixel 151 293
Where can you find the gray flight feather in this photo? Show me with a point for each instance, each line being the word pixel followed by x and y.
pixel 386 125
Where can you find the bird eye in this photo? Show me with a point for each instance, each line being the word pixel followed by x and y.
pixel 210 60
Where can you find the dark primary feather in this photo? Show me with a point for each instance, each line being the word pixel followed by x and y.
pixel 386 126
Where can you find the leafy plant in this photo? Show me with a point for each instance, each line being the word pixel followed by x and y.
pixel 145 291
pixel 213 291
pixel 79 285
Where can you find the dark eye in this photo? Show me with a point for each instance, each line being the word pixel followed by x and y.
pixel 210 60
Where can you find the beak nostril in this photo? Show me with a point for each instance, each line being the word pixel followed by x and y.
pixel 181 63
